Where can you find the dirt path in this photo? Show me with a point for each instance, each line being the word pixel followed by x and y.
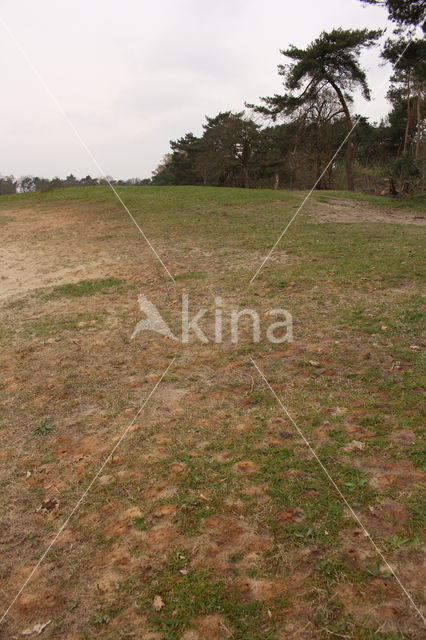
pixel 54 248
pixel 341 210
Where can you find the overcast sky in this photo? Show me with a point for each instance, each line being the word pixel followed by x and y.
pixel 131 75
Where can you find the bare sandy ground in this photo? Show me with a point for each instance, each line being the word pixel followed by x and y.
pixel 51 249
pixel 343 210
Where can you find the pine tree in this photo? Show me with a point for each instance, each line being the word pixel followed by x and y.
pixel 330 60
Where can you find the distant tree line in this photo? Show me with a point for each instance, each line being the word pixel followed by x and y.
pixel 288 140
pixel 8 184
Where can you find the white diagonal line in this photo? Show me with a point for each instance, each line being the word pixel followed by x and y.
pixel 80 139
pixel 84 494
pixel 327 473
pixel 319 179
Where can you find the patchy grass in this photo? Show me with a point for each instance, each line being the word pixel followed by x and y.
pixel 213 501
pixel 415 202
pixel 197 594
pixel 189 276
pixel 83 288
pixel 51 326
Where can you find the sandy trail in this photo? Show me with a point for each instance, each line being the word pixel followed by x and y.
pixel 342 210
pixel 62 248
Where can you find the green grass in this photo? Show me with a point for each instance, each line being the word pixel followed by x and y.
pixel 82 288
pixel 139 523
pixel 417 454
pixel 196 594
pixel 173 197
pixel 50 326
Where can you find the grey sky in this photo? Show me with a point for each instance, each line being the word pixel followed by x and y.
pixel 132 74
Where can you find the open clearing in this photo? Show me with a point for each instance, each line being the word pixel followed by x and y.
pixel 212 520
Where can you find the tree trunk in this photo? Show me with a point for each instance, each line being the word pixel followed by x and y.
pixel 330 177
pixel 246 180
pixel 293 164
pixel 292 176
pixel 276 180
pixel 318 170
pixel 407 128
pixel 419 119
pixel 317 147
pixel 348 157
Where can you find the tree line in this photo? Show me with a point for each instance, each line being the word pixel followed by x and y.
pixel 8 184
pixel 288 140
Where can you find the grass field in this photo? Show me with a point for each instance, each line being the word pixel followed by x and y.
pixel 212 519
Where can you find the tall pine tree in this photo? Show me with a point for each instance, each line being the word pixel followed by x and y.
pixel 330 60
